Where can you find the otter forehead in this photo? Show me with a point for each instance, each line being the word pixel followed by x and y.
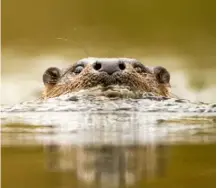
pixel 91 60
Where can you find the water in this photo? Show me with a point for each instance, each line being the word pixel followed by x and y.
pixel 107 149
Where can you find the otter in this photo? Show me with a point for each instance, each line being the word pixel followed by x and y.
pixel 106 72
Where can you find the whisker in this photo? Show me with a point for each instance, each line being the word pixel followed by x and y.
pixel 174 95
pixel 76 43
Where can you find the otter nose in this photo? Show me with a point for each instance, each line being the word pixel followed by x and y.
pixel 109 67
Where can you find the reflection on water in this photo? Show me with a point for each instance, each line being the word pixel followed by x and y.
pixel 108 165
pixel 81 166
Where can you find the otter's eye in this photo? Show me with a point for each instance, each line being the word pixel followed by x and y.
pixel 140 68
pixel 78 69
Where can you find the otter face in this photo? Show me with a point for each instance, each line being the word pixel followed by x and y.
pixel 92 72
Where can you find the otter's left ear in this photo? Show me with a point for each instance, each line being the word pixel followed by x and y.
pixel 162 75
pixel 51 76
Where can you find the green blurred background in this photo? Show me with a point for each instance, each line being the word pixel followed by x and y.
pixel 179 35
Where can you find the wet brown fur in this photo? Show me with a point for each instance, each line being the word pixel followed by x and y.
pixel 88 78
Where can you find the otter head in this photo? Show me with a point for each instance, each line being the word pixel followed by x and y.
pixel 106 72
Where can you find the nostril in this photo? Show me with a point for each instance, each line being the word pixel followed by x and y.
pixel 97 65
pixel 122 66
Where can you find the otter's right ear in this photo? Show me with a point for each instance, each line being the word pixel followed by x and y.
pixel 51 76
pixel 162 75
